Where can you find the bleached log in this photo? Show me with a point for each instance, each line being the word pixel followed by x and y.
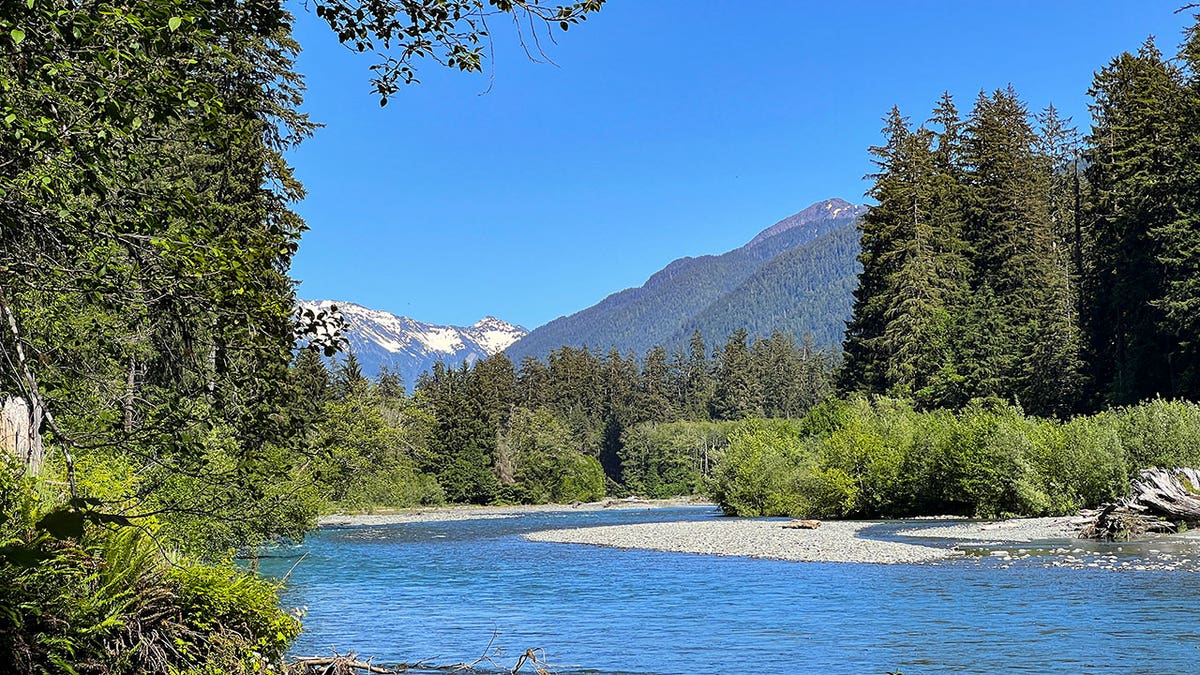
pixel 1162 500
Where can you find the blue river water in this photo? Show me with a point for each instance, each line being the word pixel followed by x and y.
pixel 439 591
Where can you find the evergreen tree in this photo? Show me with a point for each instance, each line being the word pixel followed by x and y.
pixel 1011 238
pixel 737 394
pixel 778 370
pixel 696 390
pixel 1134 133
pixel 389 385
pixel 914 270
pixel 1176 241
pixel 864 367
pixel 348 377
pixel 654 392
pixel 311 383
pixel 533 383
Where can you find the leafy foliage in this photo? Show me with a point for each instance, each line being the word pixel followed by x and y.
pixel 882 458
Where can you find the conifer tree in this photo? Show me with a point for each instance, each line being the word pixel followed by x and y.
pixel 736 394
pixel 696 380
pixel 654 392
pixel 1011 237
pixel 864 368
pixel 1178 241
pixel 1134 133
pixel 348 377
pixel 389 384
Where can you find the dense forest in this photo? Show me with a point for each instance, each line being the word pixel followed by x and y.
pixel 575 427
pixel 1023 336
pixel 1010 257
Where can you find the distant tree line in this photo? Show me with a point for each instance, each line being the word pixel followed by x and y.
pixel 574 427
pixel 1009 257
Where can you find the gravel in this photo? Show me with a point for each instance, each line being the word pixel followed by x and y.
pixel 836 541
pixel 1017 529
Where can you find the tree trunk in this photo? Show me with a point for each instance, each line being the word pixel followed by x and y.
pixel 20 432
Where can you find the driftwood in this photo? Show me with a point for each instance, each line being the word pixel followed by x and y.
pixel 349 664
pixel 802 525
pixel 1163 500
pixel 626 500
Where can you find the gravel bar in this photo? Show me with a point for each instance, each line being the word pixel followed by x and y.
pixel 835 541
pixel 1016 529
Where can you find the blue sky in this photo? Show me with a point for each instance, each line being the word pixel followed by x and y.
pixel 667 128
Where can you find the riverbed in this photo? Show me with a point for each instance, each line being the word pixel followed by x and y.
pixel 440 590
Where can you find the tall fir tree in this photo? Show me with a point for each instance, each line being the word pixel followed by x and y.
pixel 737 394
pixel 864 367
pixel 1177 241
pixel 1011 238
pixel 1132 146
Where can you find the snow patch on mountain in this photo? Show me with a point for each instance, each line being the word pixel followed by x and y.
pixel 410 347
pixel 830 209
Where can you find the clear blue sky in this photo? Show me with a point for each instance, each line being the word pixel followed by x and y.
pixel 668 128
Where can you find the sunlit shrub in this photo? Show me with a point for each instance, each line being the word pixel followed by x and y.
pixel 108 599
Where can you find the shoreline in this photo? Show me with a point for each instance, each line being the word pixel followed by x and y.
pixel 430 514
pixel 1043 542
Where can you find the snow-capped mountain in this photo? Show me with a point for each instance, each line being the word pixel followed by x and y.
pixel 410 347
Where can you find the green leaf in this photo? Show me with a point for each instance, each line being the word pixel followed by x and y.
pixel 62 524
pixel 18 36
pixel 174 23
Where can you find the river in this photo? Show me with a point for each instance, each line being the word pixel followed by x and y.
pixel 440 591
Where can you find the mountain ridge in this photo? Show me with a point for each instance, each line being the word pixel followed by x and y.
pixel 409 347
pixel 635 319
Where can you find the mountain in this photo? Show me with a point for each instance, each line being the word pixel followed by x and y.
pixel 796 276
pixel 410 347
pixel 807 289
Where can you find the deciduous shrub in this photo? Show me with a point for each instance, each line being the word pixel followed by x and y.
pixel 882 458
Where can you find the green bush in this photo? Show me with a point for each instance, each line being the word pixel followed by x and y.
pixel 109 600
pixel 882 458
pixel 539 464
pixel 760 472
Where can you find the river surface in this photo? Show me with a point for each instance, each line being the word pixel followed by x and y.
pixel 440 591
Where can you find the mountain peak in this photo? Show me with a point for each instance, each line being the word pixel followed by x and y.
pixel 493 323
pixel 410 347
pixel 796 276
pixel 829 209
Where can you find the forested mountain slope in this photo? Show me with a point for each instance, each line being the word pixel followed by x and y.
pixel 806 289
pixel 712 293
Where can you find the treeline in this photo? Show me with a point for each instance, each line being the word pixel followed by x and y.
pixel 1009 257
pixel 574 427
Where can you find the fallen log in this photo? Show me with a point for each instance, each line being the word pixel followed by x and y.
pixel 802 525
pixel 1162 500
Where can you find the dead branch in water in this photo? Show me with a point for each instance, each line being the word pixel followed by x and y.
pixel 349 664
